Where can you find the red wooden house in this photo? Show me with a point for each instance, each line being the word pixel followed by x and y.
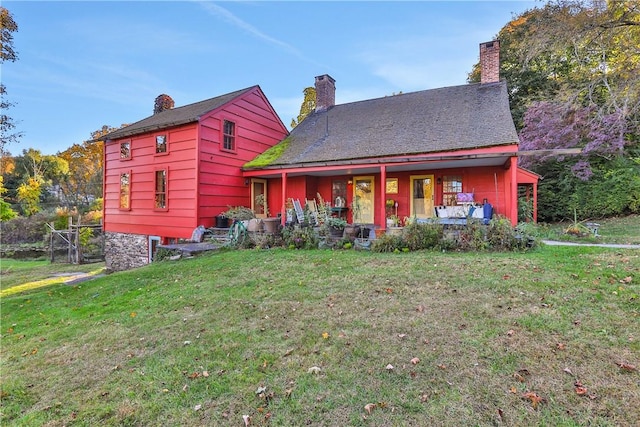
pixel 175 170
pixel 427 153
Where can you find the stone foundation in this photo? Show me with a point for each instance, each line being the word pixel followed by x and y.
pixel 125 251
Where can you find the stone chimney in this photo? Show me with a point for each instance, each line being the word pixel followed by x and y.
pixel 325 92
pixel 490 62
pixel 162 102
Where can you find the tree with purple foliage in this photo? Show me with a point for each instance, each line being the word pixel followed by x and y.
pixel 549 126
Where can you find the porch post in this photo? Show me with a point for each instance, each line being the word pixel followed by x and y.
pixel 535 202
pixel 513 205
pixel 383 194
pixel 283 204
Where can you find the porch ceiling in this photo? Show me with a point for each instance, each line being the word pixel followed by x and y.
pixel 372 166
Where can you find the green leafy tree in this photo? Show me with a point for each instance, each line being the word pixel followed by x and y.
pixel 29 193
pixel 83 184
pixel 6 212
pixel 34 173
pixel 8 26
pixel 308 105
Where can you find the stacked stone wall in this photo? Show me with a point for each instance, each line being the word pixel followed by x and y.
pixel 124 251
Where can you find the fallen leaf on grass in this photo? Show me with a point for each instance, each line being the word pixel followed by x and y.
pixel 581 390
pixel 369 407
pixel 568 371
pixel 415 361
pixel 314 370
pixel 534 398
pixel 510 332
pixel 389 367
pixel 247 420
pixel 626 366
pixel 560 346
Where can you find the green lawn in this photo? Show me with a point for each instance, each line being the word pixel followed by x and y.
pixel 17 272
pixel 288 338
pixel 623 230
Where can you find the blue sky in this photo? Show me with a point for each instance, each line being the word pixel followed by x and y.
pixel 85 64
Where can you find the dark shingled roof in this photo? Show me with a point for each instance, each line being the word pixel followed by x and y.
pixel 435 120
pixel 176 116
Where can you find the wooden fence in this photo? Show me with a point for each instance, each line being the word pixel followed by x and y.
pixel 84 243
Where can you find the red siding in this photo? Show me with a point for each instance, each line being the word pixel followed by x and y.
pixel 202 179
pixel 221 181
pixel 143 218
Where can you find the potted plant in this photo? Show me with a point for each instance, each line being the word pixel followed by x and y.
pixel 336 226
pixel 244 214
pixel 271 224
pixel 393 225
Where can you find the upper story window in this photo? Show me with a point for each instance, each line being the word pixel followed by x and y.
pixel 161 144
pixel 125 150
pixel 229 136
pixel 161 189
pixel 125 190
pixel 451 186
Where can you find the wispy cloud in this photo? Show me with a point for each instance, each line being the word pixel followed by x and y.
pixel 222 13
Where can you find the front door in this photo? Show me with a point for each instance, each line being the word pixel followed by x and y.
pixel 259 197
pixel 422 196
pixel 362 207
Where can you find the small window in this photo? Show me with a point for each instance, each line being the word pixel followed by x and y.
pixel 125 190
pixel 161 189
pixel 451 186
pixel 125 150
pixel 392 186
pixel 161 144
pixel 339 193
pixel 229 136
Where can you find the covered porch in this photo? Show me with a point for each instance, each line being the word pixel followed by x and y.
pixel 421 187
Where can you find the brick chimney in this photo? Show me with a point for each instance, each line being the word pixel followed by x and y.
pixel 162 102
pixel 490 62
pixel 325 92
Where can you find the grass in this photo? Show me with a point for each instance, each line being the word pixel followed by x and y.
pixel 36 273
pixel 304 338
pixel 621 230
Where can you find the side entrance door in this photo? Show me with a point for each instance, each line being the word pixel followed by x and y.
pixel 422 196
pixel 362 208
